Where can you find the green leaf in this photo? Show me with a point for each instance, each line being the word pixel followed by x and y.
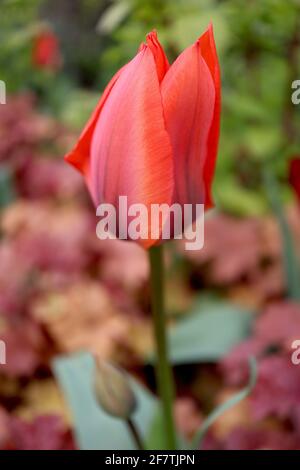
pixel 209 331
pixel 262 140
pixel 94 429
pixel 291 263
pixel 185 28
pixel 238 200
pixel 113 16
pixel 80 106
pixel 156 437
pixel 7 190
pixel 227 405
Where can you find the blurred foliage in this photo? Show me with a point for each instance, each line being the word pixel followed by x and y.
pixel 258 48
pixel 62 291
pixel 18 24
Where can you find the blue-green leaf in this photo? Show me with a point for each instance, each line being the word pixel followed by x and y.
pixel 94 429
pixel 210 330
pixel 227 405
pixel 7 190
pixel 291 263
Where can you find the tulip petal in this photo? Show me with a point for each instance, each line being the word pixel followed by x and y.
pixel 190 95
pixel 209 54
pixel 161 61
pixel 79 156
pixel 131 153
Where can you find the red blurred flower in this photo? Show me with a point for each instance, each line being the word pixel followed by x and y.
pixel 46 51
pixel 154 134
pixel 294 175
pixel 255 438
pixel 45 432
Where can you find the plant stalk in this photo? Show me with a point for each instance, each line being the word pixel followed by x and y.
pixel 164 376
pixel 135 434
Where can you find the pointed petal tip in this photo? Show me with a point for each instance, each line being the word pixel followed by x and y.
pixel 152 36
pixel 68 157
pixel 73 159
pixel 151 39
pixel 210 26
pixel 162 64
pixel 209 31
pixel 142 47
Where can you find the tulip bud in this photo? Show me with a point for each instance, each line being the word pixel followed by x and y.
pixel 113 391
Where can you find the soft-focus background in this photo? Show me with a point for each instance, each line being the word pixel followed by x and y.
pixel 63 291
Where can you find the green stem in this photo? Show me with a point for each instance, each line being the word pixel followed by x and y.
pixel 164 374
pixel 291 265
pixel 135 434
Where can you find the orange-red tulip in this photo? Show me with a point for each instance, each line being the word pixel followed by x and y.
pixel 154 133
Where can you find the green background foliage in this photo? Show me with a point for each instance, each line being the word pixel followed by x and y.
pixel 257 44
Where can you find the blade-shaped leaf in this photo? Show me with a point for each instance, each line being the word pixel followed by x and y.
pixel 156 437
pixel 7 190
pixel 208 332
pixel 94 429
pixel 227 405
pixel 291 263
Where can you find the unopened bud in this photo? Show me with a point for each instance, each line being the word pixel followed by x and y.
pixel 113 391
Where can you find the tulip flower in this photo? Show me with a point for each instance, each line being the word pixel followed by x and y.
pixel 153 139
pixel 46 51
pixel 153 136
